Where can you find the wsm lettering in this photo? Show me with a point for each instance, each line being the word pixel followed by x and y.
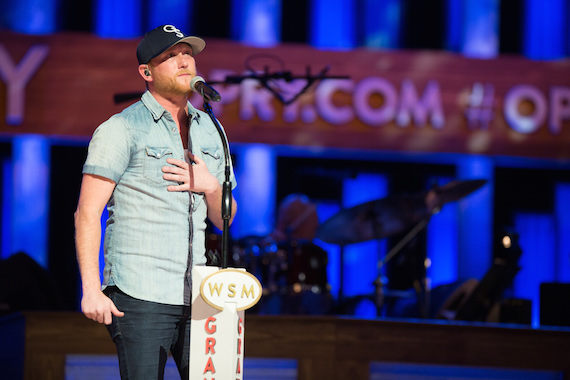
pixel 218 289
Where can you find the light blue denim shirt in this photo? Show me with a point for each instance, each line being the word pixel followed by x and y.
pixel 151 231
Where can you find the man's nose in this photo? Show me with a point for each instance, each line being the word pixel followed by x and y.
pixel 182 61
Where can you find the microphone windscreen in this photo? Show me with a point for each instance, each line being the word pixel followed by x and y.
pixel 195 80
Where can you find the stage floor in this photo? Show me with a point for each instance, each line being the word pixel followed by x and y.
pixel 48 345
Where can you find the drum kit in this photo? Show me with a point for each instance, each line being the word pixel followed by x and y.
pixel 292 273
pixel 292 268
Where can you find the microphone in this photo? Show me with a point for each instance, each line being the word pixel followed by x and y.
pixel 199 85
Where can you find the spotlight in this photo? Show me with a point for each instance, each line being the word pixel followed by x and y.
pixel 506 247
pixel 507 241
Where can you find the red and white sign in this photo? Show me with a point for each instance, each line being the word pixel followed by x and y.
pixel 217 326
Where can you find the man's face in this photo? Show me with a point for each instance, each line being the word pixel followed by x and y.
pixel 173 70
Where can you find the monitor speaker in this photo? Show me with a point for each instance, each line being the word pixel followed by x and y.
pixel 555 304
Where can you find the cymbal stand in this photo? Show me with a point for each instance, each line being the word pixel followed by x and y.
pixel 378 283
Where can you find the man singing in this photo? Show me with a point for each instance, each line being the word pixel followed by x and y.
pixel 158 167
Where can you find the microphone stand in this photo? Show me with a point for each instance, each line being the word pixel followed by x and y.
pixel 226 187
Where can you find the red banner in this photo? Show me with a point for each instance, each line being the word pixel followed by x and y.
pixel 422 101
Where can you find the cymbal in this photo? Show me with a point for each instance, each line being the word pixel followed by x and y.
pixel 392 215
pixel 456 190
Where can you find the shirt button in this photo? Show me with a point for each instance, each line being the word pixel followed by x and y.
pixel 173 129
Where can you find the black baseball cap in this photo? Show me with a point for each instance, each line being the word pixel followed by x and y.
pixel 162 38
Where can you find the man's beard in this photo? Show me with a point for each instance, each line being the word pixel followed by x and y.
pixel 170 85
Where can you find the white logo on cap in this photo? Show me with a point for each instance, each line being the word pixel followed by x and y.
pixel 173 29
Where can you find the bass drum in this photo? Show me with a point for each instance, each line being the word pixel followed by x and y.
pixel 307 267
pixel 303 283
pixel 293 275
pixel 260 256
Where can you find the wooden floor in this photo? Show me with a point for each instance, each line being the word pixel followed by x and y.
pixel 35 344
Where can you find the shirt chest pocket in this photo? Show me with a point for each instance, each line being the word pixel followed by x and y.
pixel 212 157
pixel 154 160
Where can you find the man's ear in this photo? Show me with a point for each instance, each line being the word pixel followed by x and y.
pixel 145 73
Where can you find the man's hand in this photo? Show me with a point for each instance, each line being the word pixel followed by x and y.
pixel 98 307
pixel 195 177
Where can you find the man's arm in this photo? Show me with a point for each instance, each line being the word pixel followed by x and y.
pixel 94 195
pixel 214 202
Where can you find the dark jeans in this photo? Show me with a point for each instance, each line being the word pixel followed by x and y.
pixel 145 335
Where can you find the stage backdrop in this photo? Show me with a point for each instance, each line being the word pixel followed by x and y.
pixel 423 101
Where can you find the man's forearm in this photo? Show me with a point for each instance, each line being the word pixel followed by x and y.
pixel 87 243
pixel 214 202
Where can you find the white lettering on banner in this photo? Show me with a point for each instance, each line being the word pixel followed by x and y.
pixel 525 107
pixel 257 100
pixel 291 110
pixel 324 101
pixel 404 108
pixel 229 94
pixel 363 92
pixel 411 105
pixel 479 108
pixel 530 123
pixel 408 107
pixel 17 77
pixel 559 109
